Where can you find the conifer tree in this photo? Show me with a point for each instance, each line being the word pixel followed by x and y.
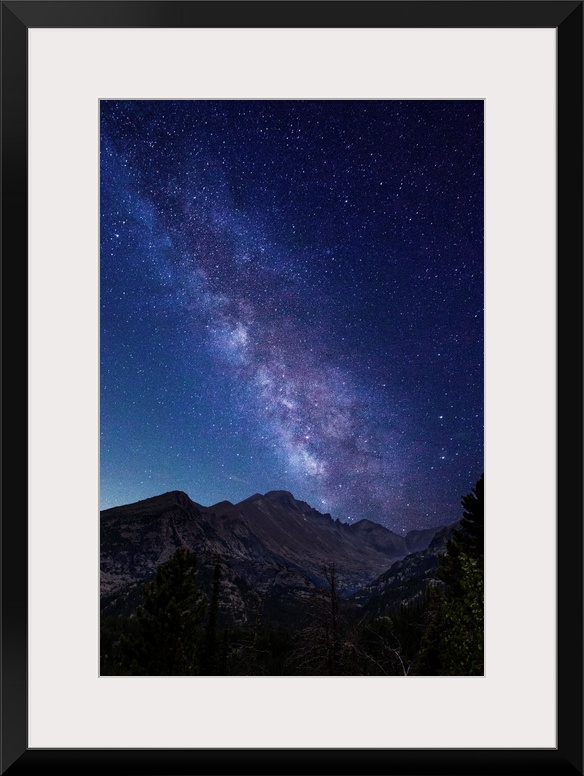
pixel 210 661
pixel 167 634
pixel 453 641
pixel 319 646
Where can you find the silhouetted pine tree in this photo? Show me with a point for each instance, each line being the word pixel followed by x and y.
pixel 211 657
pixel 320 647
pixel 453 642
pixel 165 639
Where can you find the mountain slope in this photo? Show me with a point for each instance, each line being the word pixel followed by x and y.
pixel 407 578
pixel 266 541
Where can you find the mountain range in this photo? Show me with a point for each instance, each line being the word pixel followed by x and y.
pixel 272 545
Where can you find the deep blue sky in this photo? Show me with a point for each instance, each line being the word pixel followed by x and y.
pixel 292 298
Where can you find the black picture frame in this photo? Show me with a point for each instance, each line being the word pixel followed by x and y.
pixel 17 17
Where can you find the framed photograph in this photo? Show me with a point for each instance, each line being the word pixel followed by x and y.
pixel 268 182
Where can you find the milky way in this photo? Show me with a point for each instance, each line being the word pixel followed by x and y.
pixel 292 298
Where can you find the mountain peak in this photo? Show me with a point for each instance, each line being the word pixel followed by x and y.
pixel 368 525
pixel 363 523
pixel 220 505
pixel 255 497
pixel 176 497
pixel 171 497
pixel 279 495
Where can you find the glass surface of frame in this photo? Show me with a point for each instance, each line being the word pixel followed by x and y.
pixel 17 18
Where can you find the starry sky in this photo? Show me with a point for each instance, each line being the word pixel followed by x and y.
pixel 291 299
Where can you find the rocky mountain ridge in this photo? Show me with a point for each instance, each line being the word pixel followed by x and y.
pixel 407 578
pixel 270 542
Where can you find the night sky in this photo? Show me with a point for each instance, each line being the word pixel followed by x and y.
pixel 292 299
